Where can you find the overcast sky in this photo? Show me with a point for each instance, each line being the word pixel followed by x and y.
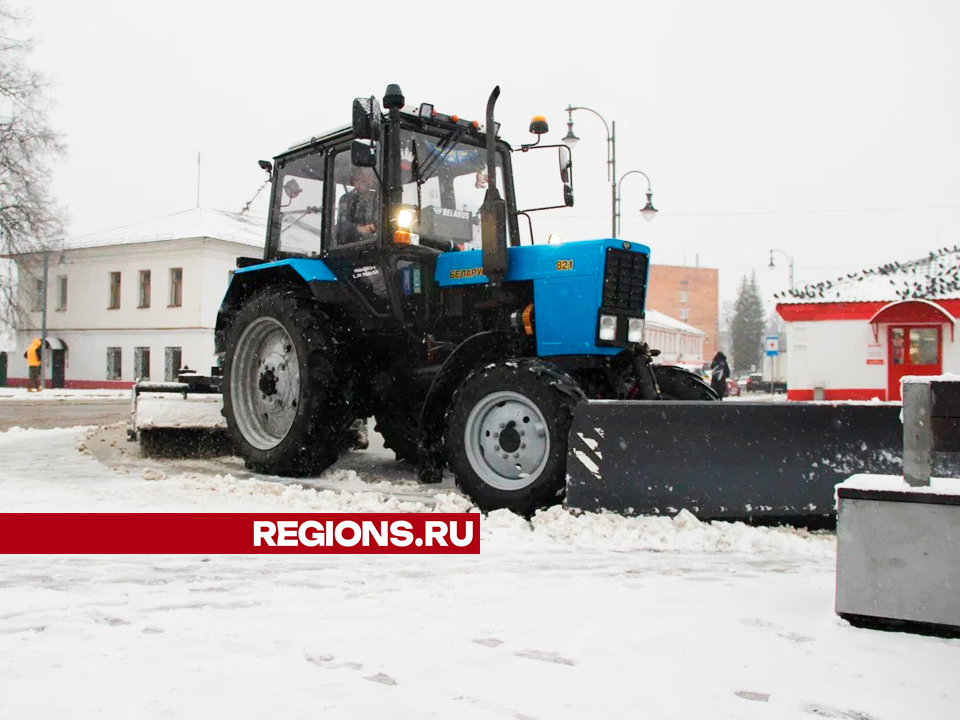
pixel 829 130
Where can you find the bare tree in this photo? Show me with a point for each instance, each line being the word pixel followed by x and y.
pixel 30 220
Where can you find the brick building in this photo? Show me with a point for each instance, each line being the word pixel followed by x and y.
pixel 690 294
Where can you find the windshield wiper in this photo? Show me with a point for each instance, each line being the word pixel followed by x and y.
pixel 311 210
pixel 446 144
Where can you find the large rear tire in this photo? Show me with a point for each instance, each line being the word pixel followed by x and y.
pixel 506 438
pixel 285 386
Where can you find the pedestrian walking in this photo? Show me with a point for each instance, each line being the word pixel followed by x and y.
pixel 719 372
pixel 33 356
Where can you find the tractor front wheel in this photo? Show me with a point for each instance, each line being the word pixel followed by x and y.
pixel 284 390
pixel 506 439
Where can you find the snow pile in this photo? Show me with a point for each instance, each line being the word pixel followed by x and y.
pixel 270 495
pixel 683 533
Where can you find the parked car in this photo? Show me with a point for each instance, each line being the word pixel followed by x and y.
pixel 756 383
pixel 733 388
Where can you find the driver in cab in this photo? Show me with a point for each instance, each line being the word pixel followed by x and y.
pixel 358 209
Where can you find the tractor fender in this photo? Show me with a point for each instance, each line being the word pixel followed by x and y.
pixel 483 347
pixel 248 281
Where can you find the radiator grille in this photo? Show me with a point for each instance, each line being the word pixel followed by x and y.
pixel 625 280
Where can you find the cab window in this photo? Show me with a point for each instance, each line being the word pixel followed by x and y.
pixel 300 205
pixel 356 207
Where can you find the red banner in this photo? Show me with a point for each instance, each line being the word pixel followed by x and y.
pixel 239 533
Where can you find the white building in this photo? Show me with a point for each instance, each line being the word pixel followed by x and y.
pixel 854 338
pixel 678 343
pixel 139 301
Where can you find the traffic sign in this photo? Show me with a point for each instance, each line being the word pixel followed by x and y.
pixel 773 345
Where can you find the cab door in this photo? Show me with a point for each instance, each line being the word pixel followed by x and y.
pixel 913 350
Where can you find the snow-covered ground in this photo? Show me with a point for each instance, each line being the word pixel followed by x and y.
pixel 48 394
pixel 562 617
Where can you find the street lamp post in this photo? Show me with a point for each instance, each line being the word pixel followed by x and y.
pixel 648 211
pixel 789 264
pixel 570 140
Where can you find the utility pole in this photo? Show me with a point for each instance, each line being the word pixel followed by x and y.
pixel 43 323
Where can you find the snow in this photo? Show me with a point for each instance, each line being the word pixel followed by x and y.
pixel 935 276
pixel 248 229
pixel 654 318
pixel 563 616
pixel 896 483
pixel 927 379
pixel 7 394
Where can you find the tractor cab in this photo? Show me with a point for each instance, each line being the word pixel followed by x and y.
pixel 380 200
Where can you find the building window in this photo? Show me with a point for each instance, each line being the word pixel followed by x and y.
pixel 114 357
pixel 171 363
pixel 144 289
pixel 114 291
pixel 684 297
pixel 176 287
pixel 684 313
pixel 62 292
pixel 141 363
pixel 38 295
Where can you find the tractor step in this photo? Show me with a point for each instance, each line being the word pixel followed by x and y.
pixel 765 462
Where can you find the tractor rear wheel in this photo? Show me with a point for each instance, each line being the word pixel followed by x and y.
pixel 506 439
pixel 284 389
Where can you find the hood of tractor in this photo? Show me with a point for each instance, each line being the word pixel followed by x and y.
pixel 574 284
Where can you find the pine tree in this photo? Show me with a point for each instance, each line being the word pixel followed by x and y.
pixel 746 329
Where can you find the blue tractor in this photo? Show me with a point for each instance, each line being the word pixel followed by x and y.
pixel 394 286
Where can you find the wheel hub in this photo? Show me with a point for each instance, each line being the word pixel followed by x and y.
pixel 510 438
pixel 268 382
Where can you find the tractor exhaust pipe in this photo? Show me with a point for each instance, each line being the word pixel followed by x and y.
pixel 493 212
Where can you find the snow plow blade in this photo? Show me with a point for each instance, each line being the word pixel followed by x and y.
pixel 178 419
pixel 767 462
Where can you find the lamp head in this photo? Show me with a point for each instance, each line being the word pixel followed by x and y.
pixel 649 212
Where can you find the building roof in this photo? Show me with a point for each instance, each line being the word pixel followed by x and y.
pixel 933 277
pixel 658 319
pixel 247 229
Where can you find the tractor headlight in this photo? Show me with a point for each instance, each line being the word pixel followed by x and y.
pixel 635 330
pixel 404 219
pixel 608 328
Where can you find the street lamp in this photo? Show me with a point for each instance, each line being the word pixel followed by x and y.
pixel 570 140
pixel 648 211
pixel 789 263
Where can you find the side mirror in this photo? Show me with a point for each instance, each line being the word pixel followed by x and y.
pixel 566 164
pixel 367 118
pixel 362 154
pixel 291 188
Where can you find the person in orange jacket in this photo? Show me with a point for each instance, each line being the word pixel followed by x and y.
pixel 33 356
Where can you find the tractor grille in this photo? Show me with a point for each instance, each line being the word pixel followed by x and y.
pixel 625 280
